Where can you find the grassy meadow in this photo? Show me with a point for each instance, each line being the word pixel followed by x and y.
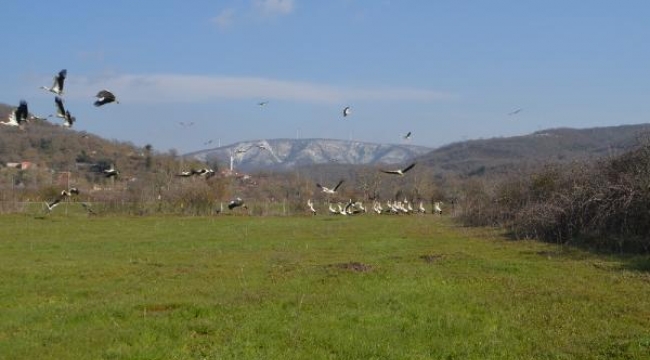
pixel 324 287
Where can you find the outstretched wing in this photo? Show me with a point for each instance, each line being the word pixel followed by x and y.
pixel 59 80
pixel 408 168
pixel 337 185
pixel 104 97
pixel 60 109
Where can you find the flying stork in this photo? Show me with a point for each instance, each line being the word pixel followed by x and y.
pixel 234 203
pixel 330 190
pixel 111 172
pixel 64 194
pixel 105 97
pixel 399 172
pixel 61 112
pixel 18 116
pixel 407 136
pixel 57 86
pixel 346 111
pixel 515 112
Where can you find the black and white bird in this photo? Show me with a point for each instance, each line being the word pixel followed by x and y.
pixel 399 172
pixel 235 203
pixel 110 172
pixel 330 190
pixel 262 103
pixel 105 97
pixel 18 116
pixel 62 113
pixel 57 86
pixel 205 172
pixel 346 111
pixel 187 173
pixel 407 136
pixel 64 194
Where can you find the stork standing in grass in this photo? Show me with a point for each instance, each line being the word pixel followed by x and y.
pixel 437 207
pixel 57 85
pixel 310 205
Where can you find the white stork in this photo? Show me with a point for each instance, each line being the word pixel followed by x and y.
pixel 62 113
pixel 57 86
pixel 330 190
pixel 310 205
pixel 18 116
pixel 437 207
pixel 105 97
pixel 346 111
pixel 407 136
pixel 111 172
pixel 399 172
pixel 235 203
pixel 64 194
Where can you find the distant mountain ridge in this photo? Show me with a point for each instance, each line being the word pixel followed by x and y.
pixel 560 145
pixel 282 154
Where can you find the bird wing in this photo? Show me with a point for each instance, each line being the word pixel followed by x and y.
pixel 390 171
pixel 104 97
pixel 22 111
pixel 59 79
pixel 337 185
pixel 60 109
pixel 408 168
pixel 68 120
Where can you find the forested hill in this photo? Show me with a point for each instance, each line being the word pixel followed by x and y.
pixel 478 157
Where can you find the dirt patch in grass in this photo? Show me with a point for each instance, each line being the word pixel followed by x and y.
pixel 431 258
pixel 353 266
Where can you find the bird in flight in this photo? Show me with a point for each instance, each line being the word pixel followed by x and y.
pixel 105 97
pixel 111 172
pixel 407 136
pixel 234 203
pixel 399 172
pixel 61 112
pixel 18 116
pixel 515 112
pixel 328 190
pixel 64 194
pixel 346 111
pixel 57 86
pixel 310 204
pixel 262 103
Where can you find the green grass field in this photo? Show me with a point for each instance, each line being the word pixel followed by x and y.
pixel 325 287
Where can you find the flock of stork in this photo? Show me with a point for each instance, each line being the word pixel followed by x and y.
pixel 20 116
pixel 357 207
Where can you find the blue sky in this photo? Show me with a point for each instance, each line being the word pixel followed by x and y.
pixel 444 70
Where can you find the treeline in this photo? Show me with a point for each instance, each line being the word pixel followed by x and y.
pixel 603 204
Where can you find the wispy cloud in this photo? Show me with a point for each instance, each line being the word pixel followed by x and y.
pixel 274 7
pixel 174 88
pixel 225 18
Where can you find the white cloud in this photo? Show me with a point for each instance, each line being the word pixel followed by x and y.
pixel 175 88
pixel 274 7
pixel 225 18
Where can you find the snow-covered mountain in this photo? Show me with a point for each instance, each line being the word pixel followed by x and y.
pixel 287 153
